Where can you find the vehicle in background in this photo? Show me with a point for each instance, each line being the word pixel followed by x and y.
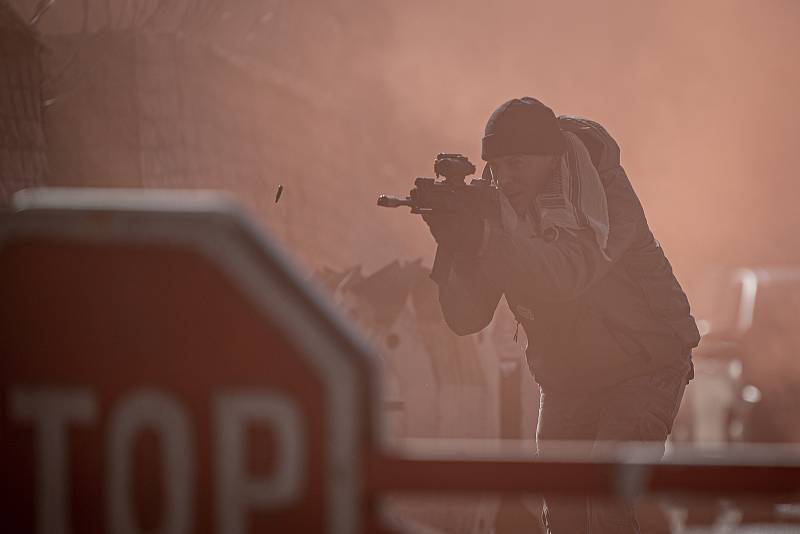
pixel 747 366
pixel 747 379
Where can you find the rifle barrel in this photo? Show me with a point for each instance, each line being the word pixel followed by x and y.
pixel 387 201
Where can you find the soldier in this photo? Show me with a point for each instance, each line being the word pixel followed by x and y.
pixel 609 326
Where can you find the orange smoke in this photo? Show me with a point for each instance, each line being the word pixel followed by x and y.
pixel 702 98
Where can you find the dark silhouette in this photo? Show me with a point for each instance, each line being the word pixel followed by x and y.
pixel 570 249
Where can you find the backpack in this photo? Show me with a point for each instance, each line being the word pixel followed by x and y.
pixel 602 148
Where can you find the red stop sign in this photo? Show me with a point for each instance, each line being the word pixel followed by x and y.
pixel 163 368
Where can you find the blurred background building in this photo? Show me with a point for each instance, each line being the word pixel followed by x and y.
pixel 22 140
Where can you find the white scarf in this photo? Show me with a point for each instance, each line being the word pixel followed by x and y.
pixel 573 200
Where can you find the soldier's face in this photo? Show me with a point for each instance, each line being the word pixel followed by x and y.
pixel 523 176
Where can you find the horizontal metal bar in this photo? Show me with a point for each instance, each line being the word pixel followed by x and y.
pixel 387 474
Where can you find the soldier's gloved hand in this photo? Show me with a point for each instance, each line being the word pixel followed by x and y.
pixel 458 230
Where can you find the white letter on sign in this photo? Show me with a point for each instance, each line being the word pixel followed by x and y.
pixel 236 491
pixel 50 410
pixel 150 409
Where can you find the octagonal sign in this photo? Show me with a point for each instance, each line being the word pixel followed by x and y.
pixel 165 369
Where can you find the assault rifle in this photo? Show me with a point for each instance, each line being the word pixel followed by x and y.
pixel 431 194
